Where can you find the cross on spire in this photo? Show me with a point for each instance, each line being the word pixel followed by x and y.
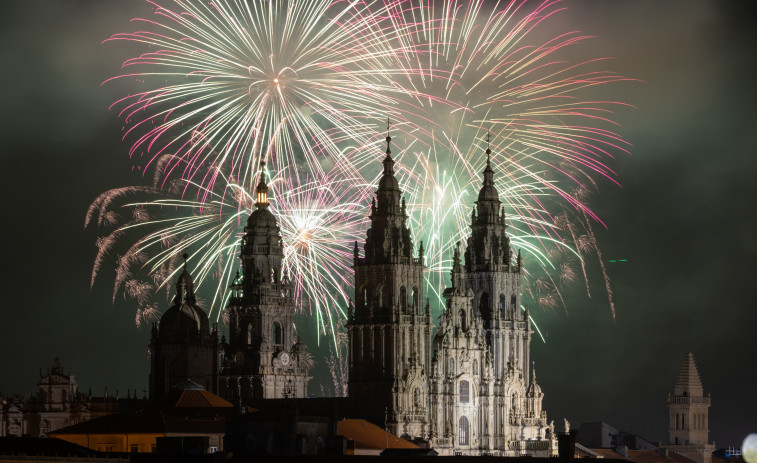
pixel 388 138
pixel 488 150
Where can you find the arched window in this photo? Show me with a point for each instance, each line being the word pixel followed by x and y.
pixel 678 421
pixel 44 427
pixel 384 301
pixel 463 320
pixel 403 299
pixel 484 307
pixel 475 366
pixel 249 334
pixel 502 304
pixel 463 432
pixel 514 305
pixel 415 301
pixel 366 297
pixel 277 335
pixel 464 392
pixel 683 421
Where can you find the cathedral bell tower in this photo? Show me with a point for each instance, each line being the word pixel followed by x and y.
pixel 389 326
pixel 264 359
pixel 495 279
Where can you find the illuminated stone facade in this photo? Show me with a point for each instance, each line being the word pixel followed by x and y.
pixel 482 401
pixel 475 396
pixel 263 358
pixel 390 326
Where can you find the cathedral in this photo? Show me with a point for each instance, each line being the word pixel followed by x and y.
pixel 468 389
pixel 462 386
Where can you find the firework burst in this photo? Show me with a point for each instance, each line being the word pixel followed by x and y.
pixel 304 85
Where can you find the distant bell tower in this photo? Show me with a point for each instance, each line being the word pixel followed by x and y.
pixel 389 327
pixel 183 346
pixel 689 410
pixel 263 358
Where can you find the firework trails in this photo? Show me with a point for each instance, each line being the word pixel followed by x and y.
pixel 307 87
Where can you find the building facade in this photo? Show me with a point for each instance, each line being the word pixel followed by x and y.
pixel 58 403
pixel 475 395
pixel 688 425
pixel 264 359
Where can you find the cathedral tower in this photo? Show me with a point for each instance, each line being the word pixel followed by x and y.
pixel 389 327
pixel 264 359
pixel 182 345
pixel 482 400
pixel 689 415
pixel 495 279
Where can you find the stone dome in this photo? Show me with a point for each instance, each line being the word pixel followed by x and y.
pixel 261 217
pixel 388 182
pixel 534 390
pixel 184 318
pixel 488 193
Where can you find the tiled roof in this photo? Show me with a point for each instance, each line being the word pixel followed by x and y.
pixel 369 436
pixel 192 398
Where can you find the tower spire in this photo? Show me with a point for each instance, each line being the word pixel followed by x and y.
pixel 261 191
pixel 184 285
pixel 388 138
pixel 488 150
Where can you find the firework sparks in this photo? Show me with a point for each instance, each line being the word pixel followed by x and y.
pixel 303 85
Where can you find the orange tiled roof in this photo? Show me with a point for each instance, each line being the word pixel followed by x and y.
pixel 368 435
pixel 149 422
pixel 178 398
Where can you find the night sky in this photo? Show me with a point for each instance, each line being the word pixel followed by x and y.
pixel 684 217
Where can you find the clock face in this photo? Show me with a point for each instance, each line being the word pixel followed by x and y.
pixel 284 357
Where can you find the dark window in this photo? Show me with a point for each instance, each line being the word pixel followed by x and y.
pixel 484 307
pixel 464 392
pixel 277 334
pixel 464 431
